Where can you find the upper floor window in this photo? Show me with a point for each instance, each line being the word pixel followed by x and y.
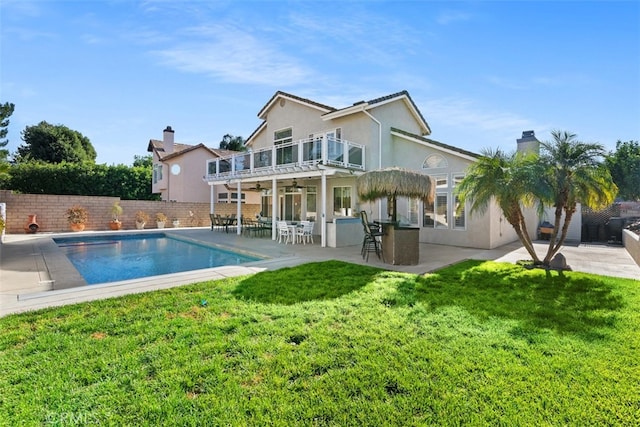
pixel 283 136
pixel 434 161
pixel 157 173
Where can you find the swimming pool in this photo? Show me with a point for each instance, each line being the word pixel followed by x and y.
pixel 103 259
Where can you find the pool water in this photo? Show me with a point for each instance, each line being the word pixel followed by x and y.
pixel 113 258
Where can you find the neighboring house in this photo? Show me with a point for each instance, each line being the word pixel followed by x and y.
pixel 179 172
pixel 308 155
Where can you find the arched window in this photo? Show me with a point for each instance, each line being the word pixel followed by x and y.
pixel 434 161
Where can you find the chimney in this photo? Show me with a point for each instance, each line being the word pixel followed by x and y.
pixel 528 143
pixel 167 140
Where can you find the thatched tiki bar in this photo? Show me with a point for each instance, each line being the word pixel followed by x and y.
pixel 399 244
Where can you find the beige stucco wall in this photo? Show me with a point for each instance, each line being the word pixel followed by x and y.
pixel 50 211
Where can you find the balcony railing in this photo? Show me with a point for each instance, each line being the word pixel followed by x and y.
pixel 299 154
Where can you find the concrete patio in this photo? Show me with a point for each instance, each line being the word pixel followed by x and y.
pixel 31 264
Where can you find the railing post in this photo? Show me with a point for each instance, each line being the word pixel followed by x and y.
pixel 325 150
pixel 300 147
pixel 251 163
pixel 345 153
pixel 274 161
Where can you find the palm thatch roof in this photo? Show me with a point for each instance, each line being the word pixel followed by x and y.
pixel 394 181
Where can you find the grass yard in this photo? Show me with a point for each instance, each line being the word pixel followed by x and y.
pixel 331 343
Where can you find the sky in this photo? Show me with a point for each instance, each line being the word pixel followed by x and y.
pixel 481 72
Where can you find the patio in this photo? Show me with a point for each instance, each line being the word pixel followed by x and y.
pixel 27 260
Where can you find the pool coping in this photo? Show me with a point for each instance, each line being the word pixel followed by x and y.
pixel 64 275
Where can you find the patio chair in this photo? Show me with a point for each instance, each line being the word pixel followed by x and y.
pixel 284 232
pixel 370 242
pixel 304 233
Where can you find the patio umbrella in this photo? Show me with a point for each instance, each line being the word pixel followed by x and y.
pixel 393 182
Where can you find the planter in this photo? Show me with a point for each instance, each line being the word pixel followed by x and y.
pixel 76 226
pixel 176 223
pixel 115 225
pixel 160 224
pixel 140 225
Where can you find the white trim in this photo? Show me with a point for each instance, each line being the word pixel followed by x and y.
pixel 288 98
pixel 434 146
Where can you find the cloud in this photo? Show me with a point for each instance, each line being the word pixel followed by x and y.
pixel 233 55
pixel 450 16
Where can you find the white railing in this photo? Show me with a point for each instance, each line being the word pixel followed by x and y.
pixel 304 153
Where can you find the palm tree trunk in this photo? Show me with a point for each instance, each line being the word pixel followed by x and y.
pixel 553 248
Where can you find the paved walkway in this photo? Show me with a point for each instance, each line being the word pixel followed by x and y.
pixel 34 274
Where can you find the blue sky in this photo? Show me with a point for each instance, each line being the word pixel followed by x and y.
pixel 481 72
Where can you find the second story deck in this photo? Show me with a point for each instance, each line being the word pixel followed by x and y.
pixel 296 155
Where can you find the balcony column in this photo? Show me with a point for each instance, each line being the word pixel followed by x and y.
pixel 274 207
pixel 239 209
pixel 323 207
pixel 212 199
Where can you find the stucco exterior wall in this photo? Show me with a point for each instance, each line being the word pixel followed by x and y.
pixel 50 211
pixel 187 185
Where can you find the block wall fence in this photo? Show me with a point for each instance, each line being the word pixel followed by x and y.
pixel 50 211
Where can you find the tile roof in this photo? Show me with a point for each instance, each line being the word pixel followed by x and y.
pixel 180 149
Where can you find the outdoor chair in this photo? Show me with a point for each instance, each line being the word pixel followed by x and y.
pixel 304 233
pixel 370 242
pixel 284 232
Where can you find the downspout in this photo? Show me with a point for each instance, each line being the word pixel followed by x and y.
pixel 379 152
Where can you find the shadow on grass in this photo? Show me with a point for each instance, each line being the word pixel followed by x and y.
pixel 572 303
pixel 308 282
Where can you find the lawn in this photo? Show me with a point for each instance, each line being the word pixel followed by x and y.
pixel 332 343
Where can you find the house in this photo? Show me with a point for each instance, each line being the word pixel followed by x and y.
pixel 304 158
pixel 178 172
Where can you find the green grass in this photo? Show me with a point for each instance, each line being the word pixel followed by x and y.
pixel 478 343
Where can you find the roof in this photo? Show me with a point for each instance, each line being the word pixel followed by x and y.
pixel 279 94
pixel 376 102
pixel 180 149
pixel 437 144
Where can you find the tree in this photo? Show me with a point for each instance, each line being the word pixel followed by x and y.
pixel 6 110
pixel 510 180
pixel 143 161
pixel 235 143
pixel 573 173
pixel 624 166
pixel 55 144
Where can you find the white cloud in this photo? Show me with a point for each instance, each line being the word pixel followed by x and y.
pixel 234 55
pixel 449 16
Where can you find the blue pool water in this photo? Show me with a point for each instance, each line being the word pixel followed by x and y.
pixel 103 259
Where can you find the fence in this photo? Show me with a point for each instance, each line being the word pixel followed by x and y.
pixel 50 211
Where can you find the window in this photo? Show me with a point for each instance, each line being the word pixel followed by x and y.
pixel 457 178
pixel 434 161
pixel 435 214
pixel 211 167
pixel 459 218
pixel 157 173
pixel 412 211
pixel 266 206
pixel 442 220
pixel 311 202
pixel 282 136
pixel 442 181
pixel 342 201
pixel 289 153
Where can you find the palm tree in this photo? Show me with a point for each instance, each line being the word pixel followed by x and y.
pixel 509 179
pixel 574 174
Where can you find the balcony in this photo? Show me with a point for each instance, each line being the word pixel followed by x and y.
pixel 305 154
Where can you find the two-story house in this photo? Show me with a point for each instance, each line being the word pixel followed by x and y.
pixel 305 156
pixel 179 172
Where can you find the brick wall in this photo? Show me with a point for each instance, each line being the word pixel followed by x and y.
pixel 50 211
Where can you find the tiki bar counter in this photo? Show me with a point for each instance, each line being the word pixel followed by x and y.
pixel 400 244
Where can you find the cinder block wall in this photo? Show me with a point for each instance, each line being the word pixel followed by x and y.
pixel 50 211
